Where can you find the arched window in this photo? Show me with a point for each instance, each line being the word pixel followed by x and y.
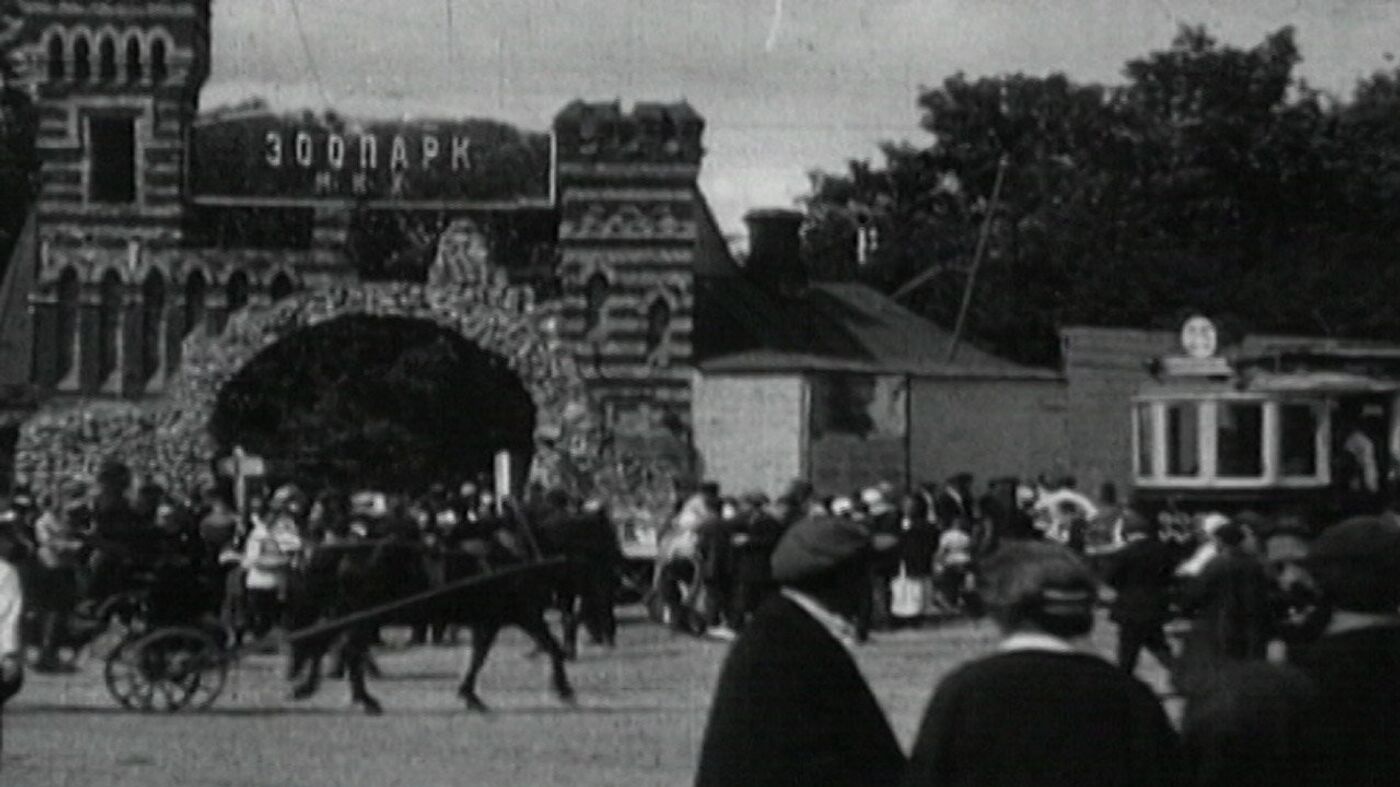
pixel 159 69
pixel 66 350
pixel 194 302
pixel 658 323
pixel 108 326
pixel 237 291
pixel 595 297
pixel 133 59
pixel 281 287
pixel 58 65
pixel 152 324
pixel 107 59
pixel 82 59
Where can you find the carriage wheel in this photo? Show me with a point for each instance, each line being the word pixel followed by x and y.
pixel 167 670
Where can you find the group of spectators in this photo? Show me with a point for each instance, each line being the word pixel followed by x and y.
pixel 928 539
pixel 1289 672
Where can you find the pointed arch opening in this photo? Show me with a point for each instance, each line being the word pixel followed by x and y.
pixel 109 306
pixel 160 69
pixel 195 289
pixel 658 324
pixel 82 59
pixel 107 59
pixel 133 60
pixel 281 287
pixel 67 328
pixel 58 58
pixel 152 324
pixel 236 291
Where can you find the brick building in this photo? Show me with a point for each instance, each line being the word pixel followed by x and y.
pixel 153 222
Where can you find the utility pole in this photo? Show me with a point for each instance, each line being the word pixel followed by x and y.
pixel 977 256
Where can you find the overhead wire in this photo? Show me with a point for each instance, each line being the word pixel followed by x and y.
pixel 310 57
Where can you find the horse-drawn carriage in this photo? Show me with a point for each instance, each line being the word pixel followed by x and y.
pixel 176 664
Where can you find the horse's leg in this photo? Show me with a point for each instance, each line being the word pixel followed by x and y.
pixel 356 654
pixel 311 680
pixel 483 636
pixel 535 626
pixel 569 619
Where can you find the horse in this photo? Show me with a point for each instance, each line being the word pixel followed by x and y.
pixel 340 581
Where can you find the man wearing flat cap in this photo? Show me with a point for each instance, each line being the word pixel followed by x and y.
pixel 1355 665
pixel 791 706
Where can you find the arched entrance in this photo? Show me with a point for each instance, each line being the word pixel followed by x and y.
pixel 386 403
pixel 170 439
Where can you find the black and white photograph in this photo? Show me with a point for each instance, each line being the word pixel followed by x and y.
pixel 728 393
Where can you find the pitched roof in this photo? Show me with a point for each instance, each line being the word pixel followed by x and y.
pixel 740 327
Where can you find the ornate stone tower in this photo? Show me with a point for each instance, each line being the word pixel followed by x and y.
pixel 116 84
pixel 629 218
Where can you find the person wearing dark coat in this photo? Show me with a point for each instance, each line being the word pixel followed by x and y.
pixel 1353 735
pixel 1232 608
pixel 1042 710
pixel 753 538
pixel 1140 573
pixel 791 706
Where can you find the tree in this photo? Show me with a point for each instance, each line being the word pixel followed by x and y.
pixel 1211 179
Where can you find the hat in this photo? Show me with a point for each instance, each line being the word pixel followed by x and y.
pixel 1213 521
pixel 873 496
pixel 369 504
pixel 1357 564
pixel 755 498
pixel 841 506
pixel 816 545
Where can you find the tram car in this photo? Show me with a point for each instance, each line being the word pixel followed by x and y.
pixel 1305 430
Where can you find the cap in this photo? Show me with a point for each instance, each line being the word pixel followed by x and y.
pixel 1357 564
pixel 816 545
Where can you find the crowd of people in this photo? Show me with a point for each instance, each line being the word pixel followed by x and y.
pixel 1289 669
pixel 713 566
pixel 91 542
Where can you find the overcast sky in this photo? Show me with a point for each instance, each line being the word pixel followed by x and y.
pixel 785 85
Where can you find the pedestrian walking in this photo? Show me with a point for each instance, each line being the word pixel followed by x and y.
pixel 1042 709
pixel 791 706
pixel 1140 573
pixel 1232 607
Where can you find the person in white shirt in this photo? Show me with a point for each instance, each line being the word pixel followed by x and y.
pixel 11 647
pixel 269 556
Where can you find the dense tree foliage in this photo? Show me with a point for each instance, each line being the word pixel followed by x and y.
pixel 1212 179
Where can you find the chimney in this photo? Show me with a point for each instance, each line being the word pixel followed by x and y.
pixel 775 250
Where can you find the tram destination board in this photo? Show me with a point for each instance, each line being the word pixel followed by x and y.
pixel 270 160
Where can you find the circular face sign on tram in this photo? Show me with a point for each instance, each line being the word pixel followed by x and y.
pixel 1199 338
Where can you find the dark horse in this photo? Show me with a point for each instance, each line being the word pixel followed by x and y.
pixel 342 580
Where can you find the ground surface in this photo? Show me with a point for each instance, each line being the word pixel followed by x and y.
pixel 639 719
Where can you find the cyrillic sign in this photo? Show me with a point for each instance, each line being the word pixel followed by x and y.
pixel 268 158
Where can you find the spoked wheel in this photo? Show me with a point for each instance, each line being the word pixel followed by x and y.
pixel 167 670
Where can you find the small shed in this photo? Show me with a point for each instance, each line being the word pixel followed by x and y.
pixel 837 384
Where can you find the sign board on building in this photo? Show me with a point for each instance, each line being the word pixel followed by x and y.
pixel 1199 338
pixel 269 160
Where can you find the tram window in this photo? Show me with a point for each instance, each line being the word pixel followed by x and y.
pixel 1239 440
pixel 1143 418
pixel 1298 439
pixel 1183 440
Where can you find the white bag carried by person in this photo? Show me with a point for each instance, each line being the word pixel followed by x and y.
pixel 908 595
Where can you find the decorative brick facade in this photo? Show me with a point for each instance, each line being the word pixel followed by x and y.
pixel 123 292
